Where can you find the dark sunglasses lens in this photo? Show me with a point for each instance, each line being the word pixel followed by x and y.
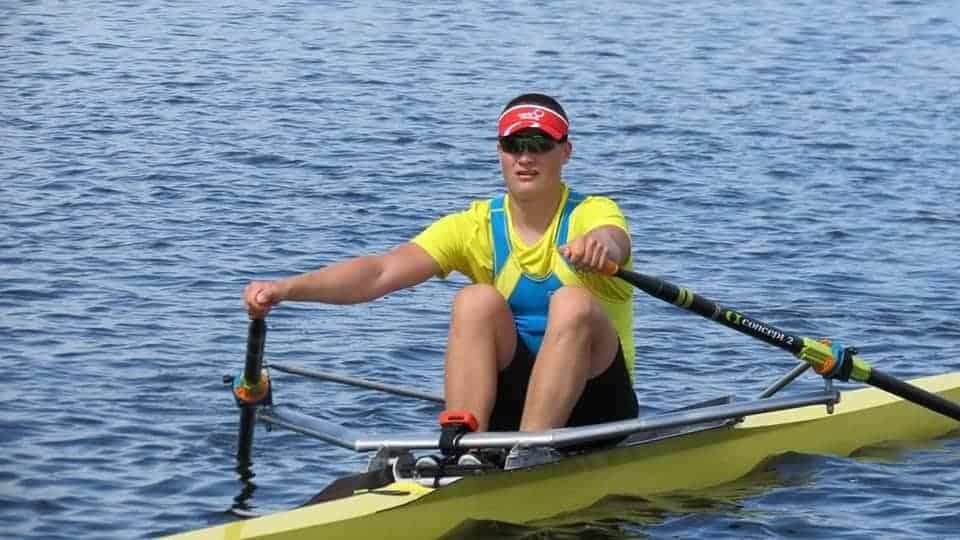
pixel 533 145
pixel 511 145
pixel 539 145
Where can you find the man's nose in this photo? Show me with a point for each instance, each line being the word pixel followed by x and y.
pixel 526 157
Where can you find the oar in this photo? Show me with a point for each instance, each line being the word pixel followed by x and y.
pixel 829 360
pixel 251 388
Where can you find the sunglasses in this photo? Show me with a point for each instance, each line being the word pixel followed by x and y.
pixel 533 144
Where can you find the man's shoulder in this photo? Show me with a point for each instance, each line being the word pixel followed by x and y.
pixel 478 210
pixel 596 211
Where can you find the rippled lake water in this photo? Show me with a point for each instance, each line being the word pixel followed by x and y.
pixel 797 160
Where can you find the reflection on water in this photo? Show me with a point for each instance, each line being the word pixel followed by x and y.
pixel 493 530
pixel 241 503
pixel 899 451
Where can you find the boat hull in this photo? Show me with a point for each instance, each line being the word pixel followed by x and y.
pixel 695 461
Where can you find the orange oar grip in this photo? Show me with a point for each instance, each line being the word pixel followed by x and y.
pixel 610 268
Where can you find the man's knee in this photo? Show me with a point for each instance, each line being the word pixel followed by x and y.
pixel 481 304
pixel 575 312
pixel 480 310
pixel 479 298
pixel 573 305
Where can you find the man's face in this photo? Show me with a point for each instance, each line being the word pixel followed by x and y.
pixel 532 162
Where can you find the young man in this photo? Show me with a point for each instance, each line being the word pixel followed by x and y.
pixel 540 339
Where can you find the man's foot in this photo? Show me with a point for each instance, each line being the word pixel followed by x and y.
pixel 433 465
pixel 469 460
pixel 427 463
pixel 491 458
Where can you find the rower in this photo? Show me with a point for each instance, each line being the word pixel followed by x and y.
pixel 540 339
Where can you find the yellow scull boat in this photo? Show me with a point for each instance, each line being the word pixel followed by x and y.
pixel 408 510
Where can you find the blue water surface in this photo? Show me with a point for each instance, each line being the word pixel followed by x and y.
pixel 797 160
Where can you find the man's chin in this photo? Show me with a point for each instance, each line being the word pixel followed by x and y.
pixel 528 189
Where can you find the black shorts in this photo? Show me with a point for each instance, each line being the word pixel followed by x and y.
pixel 608 397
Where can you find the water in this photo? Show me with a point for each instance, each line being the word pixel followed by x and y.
pixel 796 160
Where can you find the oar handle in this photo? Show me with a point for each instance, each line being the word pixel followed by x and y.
pixel 256 340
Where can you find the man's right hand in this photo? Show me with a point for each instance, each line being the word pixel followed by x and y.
pixel 260 296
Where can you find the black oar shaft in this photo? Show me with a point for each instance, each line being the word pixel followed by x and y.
pixel 705 307
pixel 912 393
pixel 256 339
pixel 248 419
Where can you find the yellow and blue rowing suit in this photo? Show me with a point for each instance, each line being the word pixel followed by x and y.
pixel 527 295
pixel 481 243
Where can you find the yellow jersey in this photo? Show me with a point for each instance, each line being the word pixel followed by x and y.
pixel 481 244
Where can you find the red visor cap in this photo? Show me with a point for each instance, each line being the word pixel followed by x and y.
pixel 523 117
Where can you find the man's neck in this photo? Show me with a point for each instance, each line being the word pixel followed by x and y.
pixel 531 216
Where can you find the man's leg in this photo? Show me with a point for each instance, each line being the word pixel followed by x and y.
pixel 580 343
pixel 481 343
